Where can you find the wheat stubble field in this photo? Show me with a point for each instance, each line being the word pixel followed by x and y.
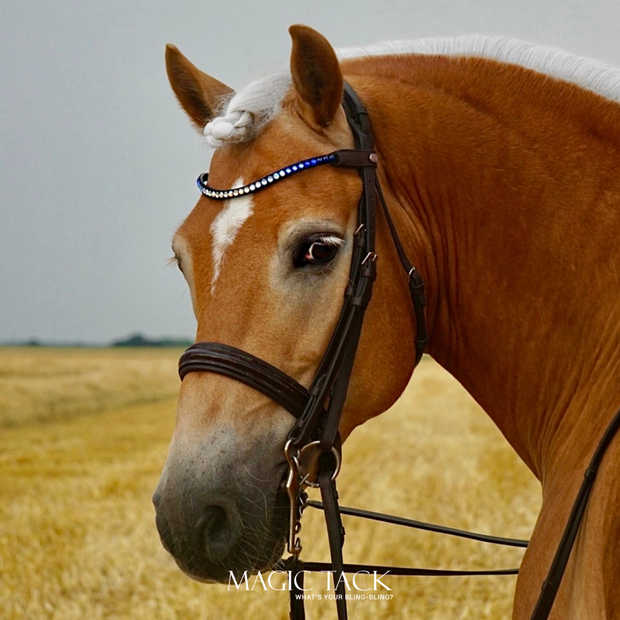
pixel 84 435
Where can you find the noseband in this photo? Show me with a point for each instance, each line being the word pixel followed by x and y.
pixel 318 409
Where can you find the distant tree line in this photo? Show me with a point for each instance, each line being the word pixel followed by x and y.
pixel 134 340
pixel 139 340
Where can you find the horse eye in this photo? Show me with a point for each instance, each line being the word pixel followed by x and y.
pixel 317 252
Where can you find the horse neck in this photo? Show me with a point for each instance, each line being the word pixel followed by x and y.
pixel 506 187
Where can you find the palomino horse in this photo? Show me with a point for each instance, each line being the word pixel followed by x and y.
pixel 500 164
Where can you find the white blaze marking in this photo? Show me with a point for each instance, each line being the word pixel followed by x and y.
pixel 225 227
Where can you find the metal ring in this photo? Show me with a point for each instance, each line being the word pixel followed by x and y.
pixel 334 451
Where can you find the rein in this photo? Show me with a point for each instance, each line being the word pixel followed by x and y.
pixel 318 409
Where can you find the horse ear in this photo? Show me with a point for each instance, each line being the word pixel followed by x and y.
pixel 316 75
pixel 199 94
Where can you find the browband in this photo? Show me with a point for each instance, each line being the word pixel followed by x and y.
pixel 344 158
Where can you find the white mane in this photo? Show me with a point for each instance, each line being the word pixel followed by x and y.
pixel 253 107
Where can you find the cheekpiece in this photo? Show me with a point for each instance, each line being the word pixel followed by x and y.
pixel 270 179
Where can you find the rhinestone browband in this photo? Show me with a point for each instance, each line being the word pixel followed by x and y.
pixel 287 171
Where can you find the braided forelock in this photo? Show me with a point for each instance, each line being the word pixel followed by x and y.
pixel 245 115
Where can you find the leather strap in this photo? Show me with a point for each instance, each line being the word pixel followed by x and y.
pixel 335 535
pixel 296 589
pixel 422 525
pixel 237 364
pixel 405 571
pixel 416 283
pixel 334 372
pixel 551 584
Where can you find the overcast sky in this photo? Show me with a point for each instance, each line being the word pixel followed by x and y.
pixel 98 163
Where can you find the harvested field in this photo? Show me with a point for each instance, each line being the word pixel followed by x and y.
pixel 77 533
pixel 39 384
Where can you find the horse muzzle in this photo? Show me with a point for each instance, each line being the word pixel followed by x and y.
pixel 220 516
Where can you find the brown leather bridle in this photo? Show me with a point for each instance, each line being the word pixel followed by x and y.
pixel 318 409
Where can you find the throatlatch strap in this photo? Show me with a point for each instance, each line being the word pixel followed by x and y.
pixel 416 283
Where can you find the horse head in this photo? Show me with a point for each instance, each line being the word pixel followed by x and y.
pixel 267 271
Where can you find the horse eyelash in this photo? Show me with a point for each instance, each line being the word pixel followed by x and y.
pixel 330 240
pixel 175 261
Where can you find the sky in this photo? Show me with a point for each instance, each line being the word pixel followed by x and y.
pixel 98 163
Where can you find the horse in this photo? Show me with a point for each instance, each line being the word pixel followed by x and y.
pixel 499 163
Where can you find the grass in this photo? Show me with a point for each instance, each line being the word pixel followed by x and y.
pixel 77 534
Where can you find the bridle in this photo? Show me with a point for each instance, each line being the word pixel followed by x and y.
pixel 318 409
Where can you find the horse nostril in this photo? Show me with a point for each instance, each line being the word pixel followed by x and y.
pixel 218 529
pixel 214 522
